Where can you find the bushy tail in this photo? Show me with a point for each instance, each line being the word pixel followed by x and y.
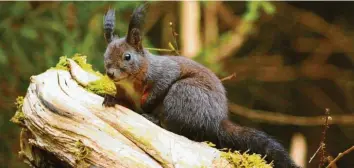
pixel 242 139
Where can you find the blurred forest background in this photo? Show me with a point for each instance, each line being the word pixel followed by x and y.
pixel 291 60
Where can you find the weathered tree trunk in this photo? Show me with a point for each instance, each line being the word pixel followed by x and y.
pixel 64 125
pixel 190 28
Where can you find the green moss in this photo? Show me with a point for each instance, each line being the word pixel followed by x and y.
pixel 19 116
pixel 81 60
pixel 245 160
pixel 210 144
pixel 81 152
pixel 63 63
pixel 102 86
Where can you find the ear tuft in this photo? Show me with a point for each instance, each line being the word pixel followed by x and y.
pixel 108 24
pixel 136 24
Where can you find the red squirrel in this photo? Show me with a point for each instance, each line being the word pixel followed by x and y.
pixel 191 98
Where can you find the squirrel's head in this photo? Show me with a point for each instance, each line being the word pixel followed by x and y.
pixel 124 56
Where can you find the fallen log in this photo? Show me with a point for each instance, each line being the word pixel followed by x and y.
pixel 65 125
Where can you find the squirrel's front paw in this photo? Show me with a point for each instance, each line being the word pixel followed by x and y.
pixel 109 101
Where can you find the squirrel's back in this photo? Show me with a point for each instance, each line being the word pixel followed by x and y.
pixel 195 103
pixel 188 68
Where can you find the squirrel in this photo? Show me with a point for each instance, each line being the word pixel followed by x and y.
pixel 179 94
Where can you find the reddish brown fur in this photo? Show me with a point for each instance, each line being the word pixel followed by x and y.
pixel 139 78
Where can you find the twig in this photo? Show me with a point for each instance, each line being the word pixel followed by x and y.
pixel 160 49
pixel 330 159
pixel 270 73
pixel 323 139
pixel 278 118
pixel 318 149
pixel 340 155
pixel 174 34
pixel 173 49
pixel 233 75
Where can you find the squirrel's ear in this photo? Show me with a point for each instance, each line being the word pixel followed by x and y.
pixel 108 24
pixel 134 38
pixel 135 29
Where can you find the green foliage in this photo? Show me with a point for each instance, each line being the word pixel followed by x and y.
pixel 3 58
pixel 253 8
pixel 55 28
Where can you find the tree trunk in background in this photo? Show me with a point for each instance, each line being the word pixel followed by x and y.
pixel 190 28
pixel 298 149
pixel 211 29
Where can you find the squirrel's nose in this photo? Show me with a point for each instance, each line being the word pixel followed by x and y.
pixel 110 74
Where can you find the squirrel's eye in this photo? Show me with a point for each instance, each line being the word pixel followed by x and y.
pixel 127 57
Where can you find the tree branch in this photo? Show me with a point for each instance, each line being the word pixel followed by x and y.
pixel 255 67
pixel 340 155
pixel 278 118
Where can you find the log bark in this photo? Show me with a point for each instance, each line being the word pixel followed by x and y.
pixel 64 125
